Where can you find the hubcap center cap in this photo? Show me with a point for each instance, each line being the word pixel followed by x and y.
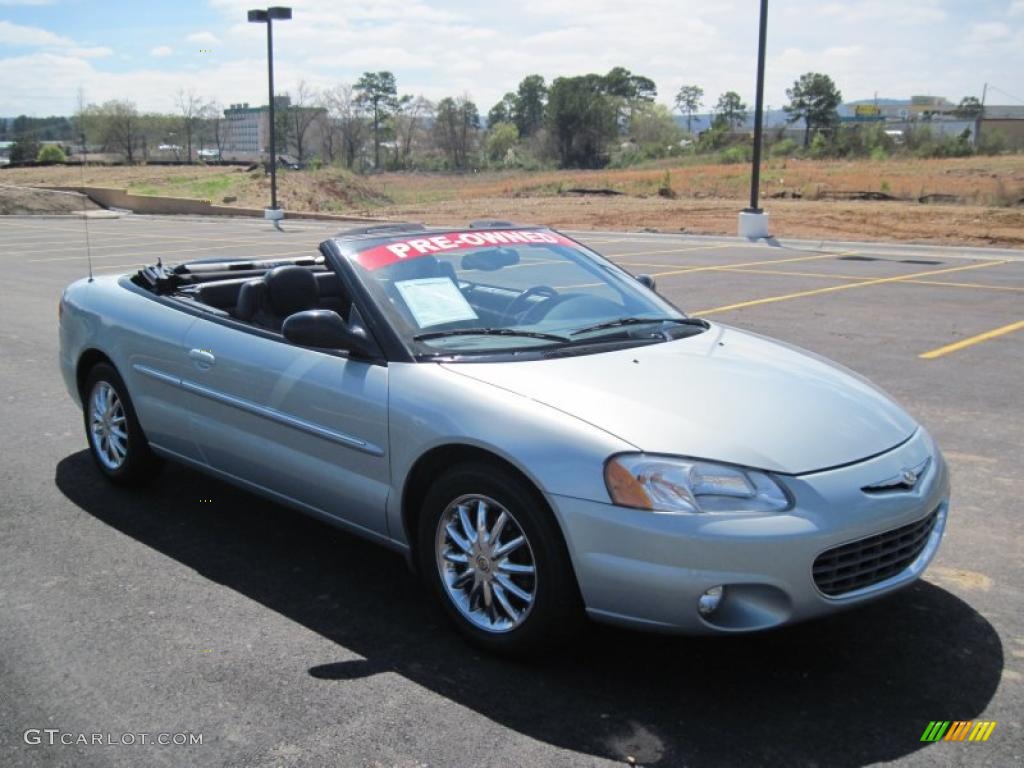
pixel 483 563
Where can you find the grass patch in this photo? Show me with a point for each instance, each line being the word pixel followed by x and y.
pixel 212 188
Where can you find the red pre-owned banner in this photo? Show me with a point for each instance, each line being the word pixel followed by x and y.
pixel 414 247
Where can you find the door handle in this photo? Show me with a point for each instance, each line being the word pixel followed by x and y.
pixel 202 358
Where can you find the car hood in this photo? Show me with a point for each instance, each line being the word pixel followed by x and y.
pixel 725 394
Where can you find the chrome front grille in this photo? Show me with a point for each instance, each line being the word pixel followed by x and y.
pixel 871 560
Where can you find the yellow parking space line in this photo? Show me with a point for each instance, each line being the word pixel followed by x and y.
pixel 847 286
pixel 714 267
pixel 134 243
pixel 154 254
pixel 136 235
pixel 970 342
pixel 784 272
pixel 213 249
pixel 983 286
pixel 668 251
pixel 860 278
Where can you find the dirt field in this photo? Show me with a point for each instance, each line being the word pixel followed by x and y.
pixel 978 200
pixel 19 200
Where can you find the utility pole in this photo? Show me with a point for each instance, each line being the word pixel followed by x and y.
pixel 754 221
pixel 273 213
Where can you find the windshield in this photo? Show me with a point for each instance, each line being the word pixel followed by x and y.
pixel 479 292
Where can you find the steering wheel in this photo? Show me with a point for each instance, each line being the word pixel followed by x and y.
pixel 519 304
pixel 570 306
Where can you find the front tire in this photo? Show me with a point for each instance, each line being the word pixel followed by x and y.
pixel 116 441
pixel 494 559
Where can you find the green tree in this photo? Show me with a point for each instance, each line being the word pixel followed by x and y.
pixel 501 137
pixel 378 92
pixel 504 111
pixel 455 127
pixel 582 119
pixel 689 100
pixel 815 98
pixel 969 108
pixel 655 130
pixel 730 111
pixel 630 92
pixel 530 100
pixel 51 153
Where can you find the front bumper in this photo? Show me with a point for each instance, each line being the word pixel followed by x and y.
pixel 649 570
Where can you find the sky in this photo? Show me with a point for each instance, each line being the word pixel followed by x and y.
pixel 146 51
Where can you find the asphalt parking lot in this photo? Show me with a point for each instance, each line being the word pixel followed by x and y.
pixel 285 642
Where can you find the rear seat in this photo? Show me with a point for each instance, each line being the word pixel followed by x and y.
pixel 223 294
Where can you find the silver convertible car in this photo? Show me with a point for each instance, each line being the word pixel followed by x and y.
pixel 537 430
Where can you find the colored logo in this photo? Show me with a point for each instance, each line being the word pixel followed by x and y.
pixel 958 730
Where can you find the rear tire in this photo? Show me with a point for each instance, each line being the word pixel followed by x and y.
pixel 506 596
pixel 116 441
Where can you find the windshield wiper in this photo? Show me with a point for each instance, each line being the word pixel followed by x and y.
pixel 623 321
pixel 488 332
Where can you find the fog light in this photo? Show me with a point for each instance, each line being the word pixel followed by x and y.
pixel 710 600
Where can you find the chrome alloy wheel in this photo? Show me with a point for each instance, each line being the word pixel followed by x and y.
pixel 108 427
pixel 486 563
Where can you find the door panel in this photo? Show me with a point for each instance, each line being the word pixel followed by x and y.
pixel 151 370
pixel 305 424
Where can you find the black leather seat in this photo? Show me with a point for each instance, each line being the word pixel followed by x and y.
pixel 283 291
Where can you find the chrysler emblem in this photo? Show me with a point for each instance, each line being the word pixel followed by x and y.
pixel 906 480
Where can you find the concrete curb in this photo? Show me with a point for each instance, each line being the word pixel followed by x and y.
pixel 111 197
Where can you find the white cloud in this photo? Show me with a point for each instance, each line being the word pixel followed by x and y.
pixel 914 12
pixel 30 37
pixel 97 52
pixel 16 35
pixel 446 47
pixel 203 38
pixel 988 32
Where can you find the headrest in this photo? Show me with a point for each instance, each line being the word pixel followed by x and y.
pixel 249 297
pixel 290 289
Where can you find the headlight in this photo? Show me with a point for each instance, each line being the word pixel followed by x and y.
pixel 674 485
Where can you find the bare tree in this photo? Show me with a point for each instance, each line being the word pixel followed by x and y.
pixel 302 113
pixel 191 108
pixel 117 126
pixel 349 119
pixel 327 126
pixel 218 127
pixel 412 113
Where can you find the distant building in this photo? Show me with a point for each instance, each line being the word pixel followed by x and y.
pixel 247 130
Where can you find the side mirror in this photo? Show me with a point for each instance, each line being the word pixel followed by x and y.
pixel 325 329
pixel 647 281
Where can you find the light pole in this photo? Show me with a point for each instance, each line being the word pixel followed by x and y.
pixel 753 220
pixel 267 17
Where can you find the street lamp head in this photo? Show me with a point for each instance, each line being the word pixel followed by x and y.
pixel 258 16
pixel 279 12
